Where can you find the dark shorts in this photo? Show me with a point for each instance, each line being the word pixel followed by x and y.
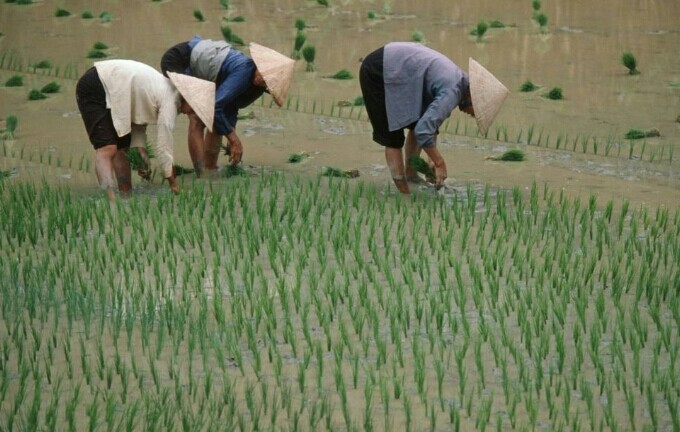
pixel 91 99
pixel 373 91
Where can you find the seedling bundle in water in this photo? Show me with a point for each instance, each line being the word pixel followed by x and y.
pixel 634 134
pixel 629 61
pixel 513 155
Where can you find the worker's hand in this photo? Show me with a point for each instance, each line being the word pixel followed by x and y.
pixel 440 173
pixel 174 186
pixel 235 149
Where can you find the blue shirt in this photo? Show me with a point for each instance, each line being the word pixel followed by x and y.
pixel 234 88
pixel 422 86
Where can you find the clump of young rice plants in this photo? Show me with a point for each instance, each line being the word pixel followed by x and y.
pixel 480 30
pixel 300 39
pixel 11 123
pixel 60 13
pixel 528 86
pixel 342 74
pixel 105 17
pixel 87 15
pixel 14 81
pixel 418 36
pixel 554 94
pixel 513 155
pixel 420 165
pixel 309 54
pixel 52 87
pixel 634 134
pixel 225 3
pixel 199 15
pixel 495 24
pixel 629 61
pixel 231 37
pixel 42 64
pixel 297 157
pixel 35 94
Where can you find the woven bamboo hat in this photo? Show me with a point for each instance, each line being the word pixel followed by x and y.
pixel 488 94
pixel 199 94
pixel 276 70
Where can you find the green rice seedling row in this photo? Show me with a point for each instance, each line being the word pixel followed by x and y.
pixel 276 302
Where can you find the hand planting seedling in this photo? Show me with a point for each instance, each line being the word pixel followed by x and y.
pixel 513 155
pixel 140 160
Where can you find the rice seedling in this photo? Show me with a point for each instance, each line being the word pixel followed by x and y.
pixel 105 17
pixel 225 3
pixel 8 132
pixel 309 54
pixel 480 30
pixel 87 15
pixel 536 5
pixel 96 54
pixel 43 64
pixel 60 13
pixel 554 94
pixel 231 37
pixel 629 61
pixel 371 14
pixel 36 95
pixel 300 39
pixel 322 2
pixel 342 74
pixel 14 81
pixel 496 24
pixel 199 15
pixel 528 86
pixel 513 155
pixel 635 134
pixel 421 166
pixel 297 157
pixel 417 36
pixel 52 87
pixel 542 20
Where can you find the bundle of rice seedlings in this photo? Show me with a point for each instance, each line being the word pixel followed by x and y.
pixel 15 81
pixel 342 74
pixel 52 87
pixel 513 155
pixel 36 95
pixel 420 165
pixel 628 60
pixel 528 86
pixel 297 157
pixel 639 134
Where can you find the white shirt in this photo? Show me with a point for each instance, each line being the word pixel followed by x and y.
pixel 139 95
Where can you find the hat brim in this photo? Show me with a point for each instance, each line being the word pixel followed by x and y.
pixel 199 94
pixel 488 95
pixel 276 70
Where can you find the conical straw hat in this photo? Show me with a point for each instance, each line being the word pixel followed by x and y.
pixel 199 94
pixel 488 94
pixel 276 70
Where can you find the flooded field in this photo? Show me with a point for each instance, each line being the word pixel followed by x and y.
pixel 538 295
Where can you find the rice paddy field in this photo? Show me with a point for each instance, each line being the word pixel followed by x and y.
pixel 296 304
pixel 535 295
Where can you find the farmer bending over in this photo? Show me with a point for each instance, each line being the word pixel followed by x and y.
pixel 240 81
pixel 409 86
pixel 118 99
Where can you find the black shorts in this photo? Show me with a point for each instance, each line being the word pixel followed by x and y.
pixel 91 99
pixel 373 90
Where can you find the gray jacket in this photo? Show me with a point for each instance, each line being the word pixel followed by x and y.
pixel 422 86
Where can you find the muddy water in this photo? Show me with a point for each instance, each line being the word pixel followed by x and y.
pixel 580 52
